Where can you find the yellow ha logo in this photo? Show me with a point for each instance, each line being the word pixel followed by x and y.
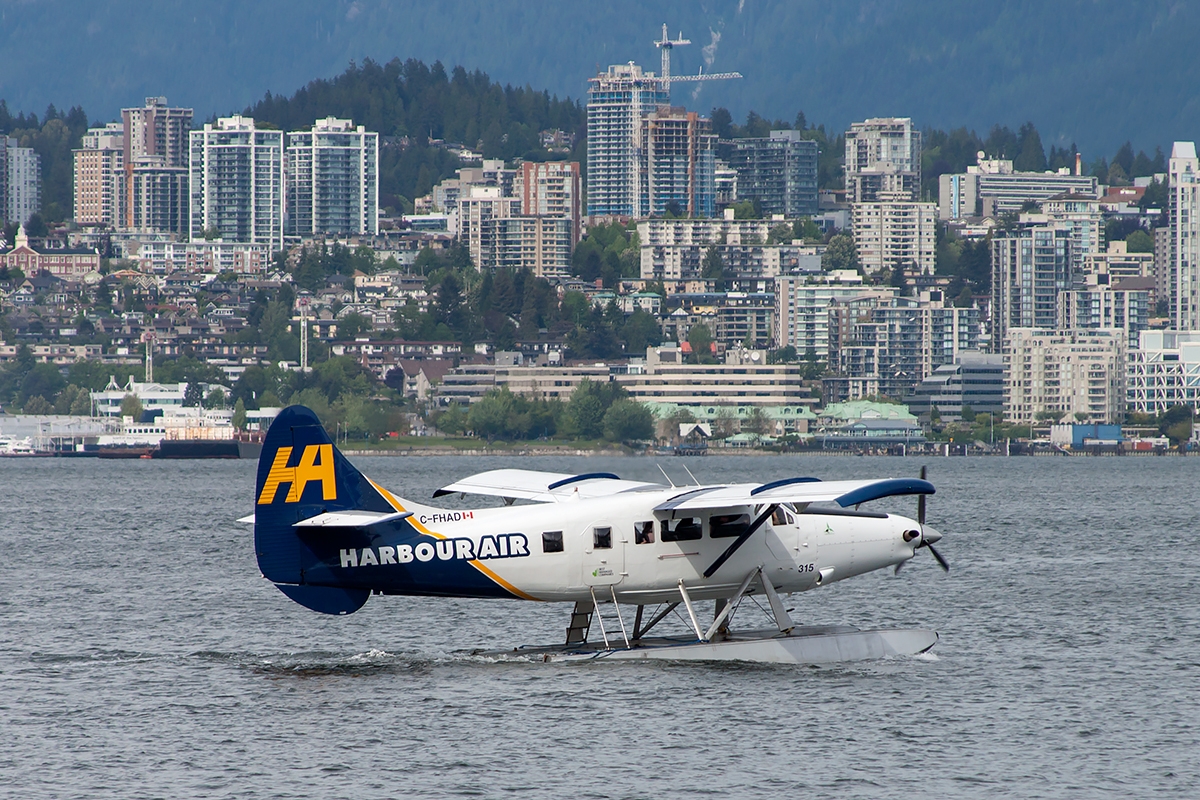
pixel 298 476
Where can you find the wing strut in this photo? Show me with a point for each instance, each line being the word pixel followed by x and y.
pixel 639 632
pixel 730 603
pixel 741 540
pixel 687 601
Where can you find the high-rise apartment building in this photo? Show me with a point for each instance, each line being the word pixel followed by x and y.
pixel 883 155
pixel 802 308
pixel 678 164
pixel 893 231
pixel 1101 303
pixel 541 245
pixel 156 135
pixel 22 182
pixel 552 189
pixel 1030 267
pixel 100 177
pixel 1163 266
pixel 778 172
pixel 237 182
pixel 675 250
pixel 333 179
pixel 887 346
pixel 1065 373
pixel 618 101
pixel 1080 215
pixel 159 197
pixel 1184 276
pixel 477 212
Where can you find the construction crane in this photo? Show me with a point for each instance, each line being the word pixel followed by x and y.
pixel 666 44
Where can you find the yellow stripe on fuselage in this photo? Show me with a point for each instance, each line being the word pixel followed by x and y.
pixel 396 504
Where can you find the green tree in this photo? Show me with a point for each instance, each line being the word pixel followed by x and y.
pixel 700 339
pixel 353 325
pixel 452 419
pixel 583 416
pixel 627 421
pixel 1176 423
pixel 38 405
pixel 42 380
pixel 807 230
pixel 214 399
pixel 640 330
pixel 82 406
pixel 757 421
pixel 66 399
pixel 490 416
pixel 1031 156
pixel 745 210
pixel 1139 242
pixel 193 395
pixel 784 355
pixel 131 406
pixel 840 253
pixel 239 414
pixel 713 268
pixel 782 232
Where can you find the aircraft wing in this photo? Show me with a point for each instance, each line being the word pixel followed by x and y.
pixel 542 487
pixel 800 491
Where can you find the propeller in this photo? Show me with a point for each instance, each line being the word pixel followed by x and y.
pixel 928 535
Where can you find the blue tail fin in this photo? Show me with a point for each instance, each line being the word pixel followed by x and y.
pixel 302 474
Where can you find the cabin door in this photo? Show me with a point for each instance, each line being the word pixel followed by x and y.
pixel 603 554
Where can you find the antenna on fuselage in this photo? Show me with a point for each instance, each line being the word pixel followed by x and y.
pixel 689 472
pixel 665 475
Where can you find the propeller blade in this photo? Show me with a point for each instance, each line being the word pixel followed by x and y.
pixel 945 564
pixel 896 571
pixel 921 502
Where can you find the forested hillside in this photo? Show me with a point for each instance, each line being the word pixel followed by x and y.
pixel 409 103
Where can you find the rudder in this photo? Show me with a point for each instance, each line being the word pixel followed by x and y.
pixel 301 474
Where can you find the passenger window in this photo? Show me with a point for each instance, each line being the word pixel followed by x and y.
pixel 552 542
pixel 684 530
pixel 602 538
pixel 791 519
pixel 643 533
pixel 728 525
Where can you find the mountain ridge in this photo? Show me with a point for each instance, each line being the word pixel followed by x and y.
pixel 1091 72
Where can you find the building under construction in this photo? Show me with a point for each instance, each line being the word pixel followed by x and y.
pixel 678 164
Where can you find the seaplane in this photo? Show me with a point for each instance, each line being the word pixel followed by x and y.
pixel 329 537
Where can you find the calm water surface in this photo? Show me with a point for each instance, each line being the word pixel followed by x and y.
pixel 141 655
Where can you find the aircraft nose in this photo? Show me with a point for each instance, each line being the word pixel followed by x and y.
pixel 930 535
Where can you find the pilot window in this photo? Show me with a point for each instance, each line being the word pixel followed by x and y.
pixel 552 542
pixel 643 533
pixel 681 530
pixel 778 517
pixel 728 526
pixel 602 538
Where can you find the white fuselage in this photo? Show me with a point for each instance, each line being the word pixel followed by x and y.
pixel 606 547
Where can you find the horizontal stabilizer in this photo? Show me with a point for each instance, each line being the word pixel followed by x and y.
pixel 350 519
pixel 326 599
